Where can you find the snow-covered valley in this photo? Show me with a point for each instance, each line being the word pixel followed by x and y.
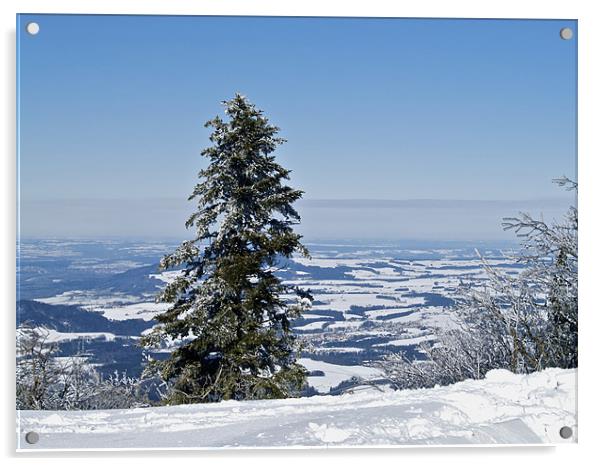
pixel 504 408
pixel 369 300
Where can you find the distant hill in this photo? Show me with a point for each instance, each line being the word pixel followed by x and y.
pixel 64 318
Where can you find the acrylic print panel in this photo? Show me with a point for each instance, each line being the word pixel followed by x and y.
pixel 376 246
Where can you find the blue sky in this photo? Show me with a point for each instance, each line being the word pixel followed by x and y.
pixel 112 108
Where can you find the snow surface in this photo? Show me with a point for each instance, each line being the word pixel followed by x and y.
pixel 117 306
pixel 334 374
pixel 504 408
pixel 53 336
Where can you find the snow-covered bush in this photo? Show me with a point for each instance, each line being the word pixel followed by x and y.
pixel 523 323
pixel 550 254
pixel 37 369
pixel 457 355
pixel 45 381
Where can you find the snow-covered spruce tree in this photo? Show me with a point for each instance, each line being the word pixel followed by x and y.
pixel 229 318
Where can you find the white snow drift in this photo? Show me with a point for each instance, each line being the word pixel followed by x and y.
pixel 504 408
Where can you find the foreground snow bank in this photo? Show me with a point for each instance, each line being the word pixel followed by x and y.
pixel 504 408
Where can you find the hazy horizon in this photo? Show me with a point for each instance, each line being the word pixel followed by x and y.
pixel 415 219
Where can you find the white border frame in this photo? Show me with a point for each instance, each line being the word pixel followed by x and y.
pixel 590 59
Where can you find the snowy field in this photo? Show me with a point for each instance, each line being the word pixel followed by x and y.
pixel 502 409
